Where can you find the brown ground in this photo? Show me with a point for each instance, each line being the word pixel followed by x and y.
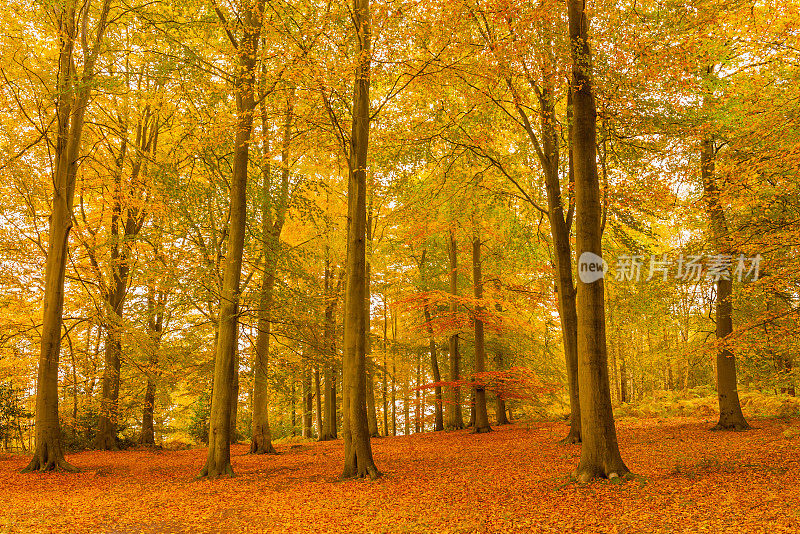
pixel 515 479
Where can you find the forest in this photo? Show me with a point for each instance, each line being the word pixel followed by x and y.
pixel 399 266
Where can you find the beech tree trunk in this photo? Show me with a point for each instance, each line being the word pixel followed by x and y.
pixel 218 462
pixel 358 461
pixel 394 374
pixel 372 415
pixel 318 400
pixel 329 423
pixel 155 325
pixel 384 373
pixel 308 403
pixel 437 378
pixel 273 217
pixel 72 97
pixel 115 291
pixel 730 410
pixel 481 414
pixel 500 404
pixel 600 455
pixel 455 420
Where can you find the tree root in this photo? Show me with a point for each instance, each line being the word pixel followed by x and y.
pixel 739 426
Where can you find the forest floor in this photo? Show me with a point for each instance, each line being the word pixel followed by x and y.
pixel 516 479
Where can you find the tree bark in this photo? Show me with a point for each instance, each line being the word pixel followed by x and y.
pixel 454 418
pixel 218 462
pixel 318 399
pixel 481 414
pixel 329 423
pixel 384 373
pixel 72 98
pixel 358 461
pixel 500 404
pixel 730 410
pixel 437 378
pixel 273 217
pixel 372 415
pixel 308 403
pixel 600 455
pixel 155 325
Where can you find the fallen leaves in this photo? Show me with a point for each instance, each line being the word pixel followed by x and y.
pixel 513 480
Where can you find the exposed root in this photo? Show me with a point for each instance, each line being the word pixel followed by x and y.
pixel 37 464
pixel 481 430
pixel 571 438
pixel 213 474
pixel 586 474
pixel 738 426
pixel 259 449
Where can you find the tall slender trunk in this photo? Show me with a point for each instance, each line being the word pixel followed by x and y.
pixel 394 373
pixel 129 220
pixel 218 462
pixel 500 404
pixel 72 97
pixel 308 403
pixel 155 326
pixel 418 423
pixel 384 373
pixel 600 455
pixel 358 461
pixel 407 400
pixel 481 414
pixel 318 399
pixel 329 424
pixel 730 410
pixel 372 416
pixel 273 217
pixel 437 378
pixel 455 420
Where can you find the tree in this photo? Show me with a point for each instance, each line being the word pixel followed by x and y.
pixel 272 221
pixel 72 98
pixel 600 455
pixel 358 460
pixel 730 411
pixel 455 420
pixel 218 462
pixel 481 415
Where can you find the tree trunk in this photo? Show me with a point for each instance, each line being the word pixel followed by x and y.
pixel 72 97
pixel 730 411
pixel 481 414
pixel 358 460
pixel 394 373
pixel 318 398
pixel 329 424
pixel 235 397
pixel 273 217
pixel 437 378
pixel 155 325
pixel 600 455
pixel 294 410
pixel 384 373
pixel 308 403
pixel 418 423
pixel 500 403
pixel 455 420
pixel 218 462
pixel 407 401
